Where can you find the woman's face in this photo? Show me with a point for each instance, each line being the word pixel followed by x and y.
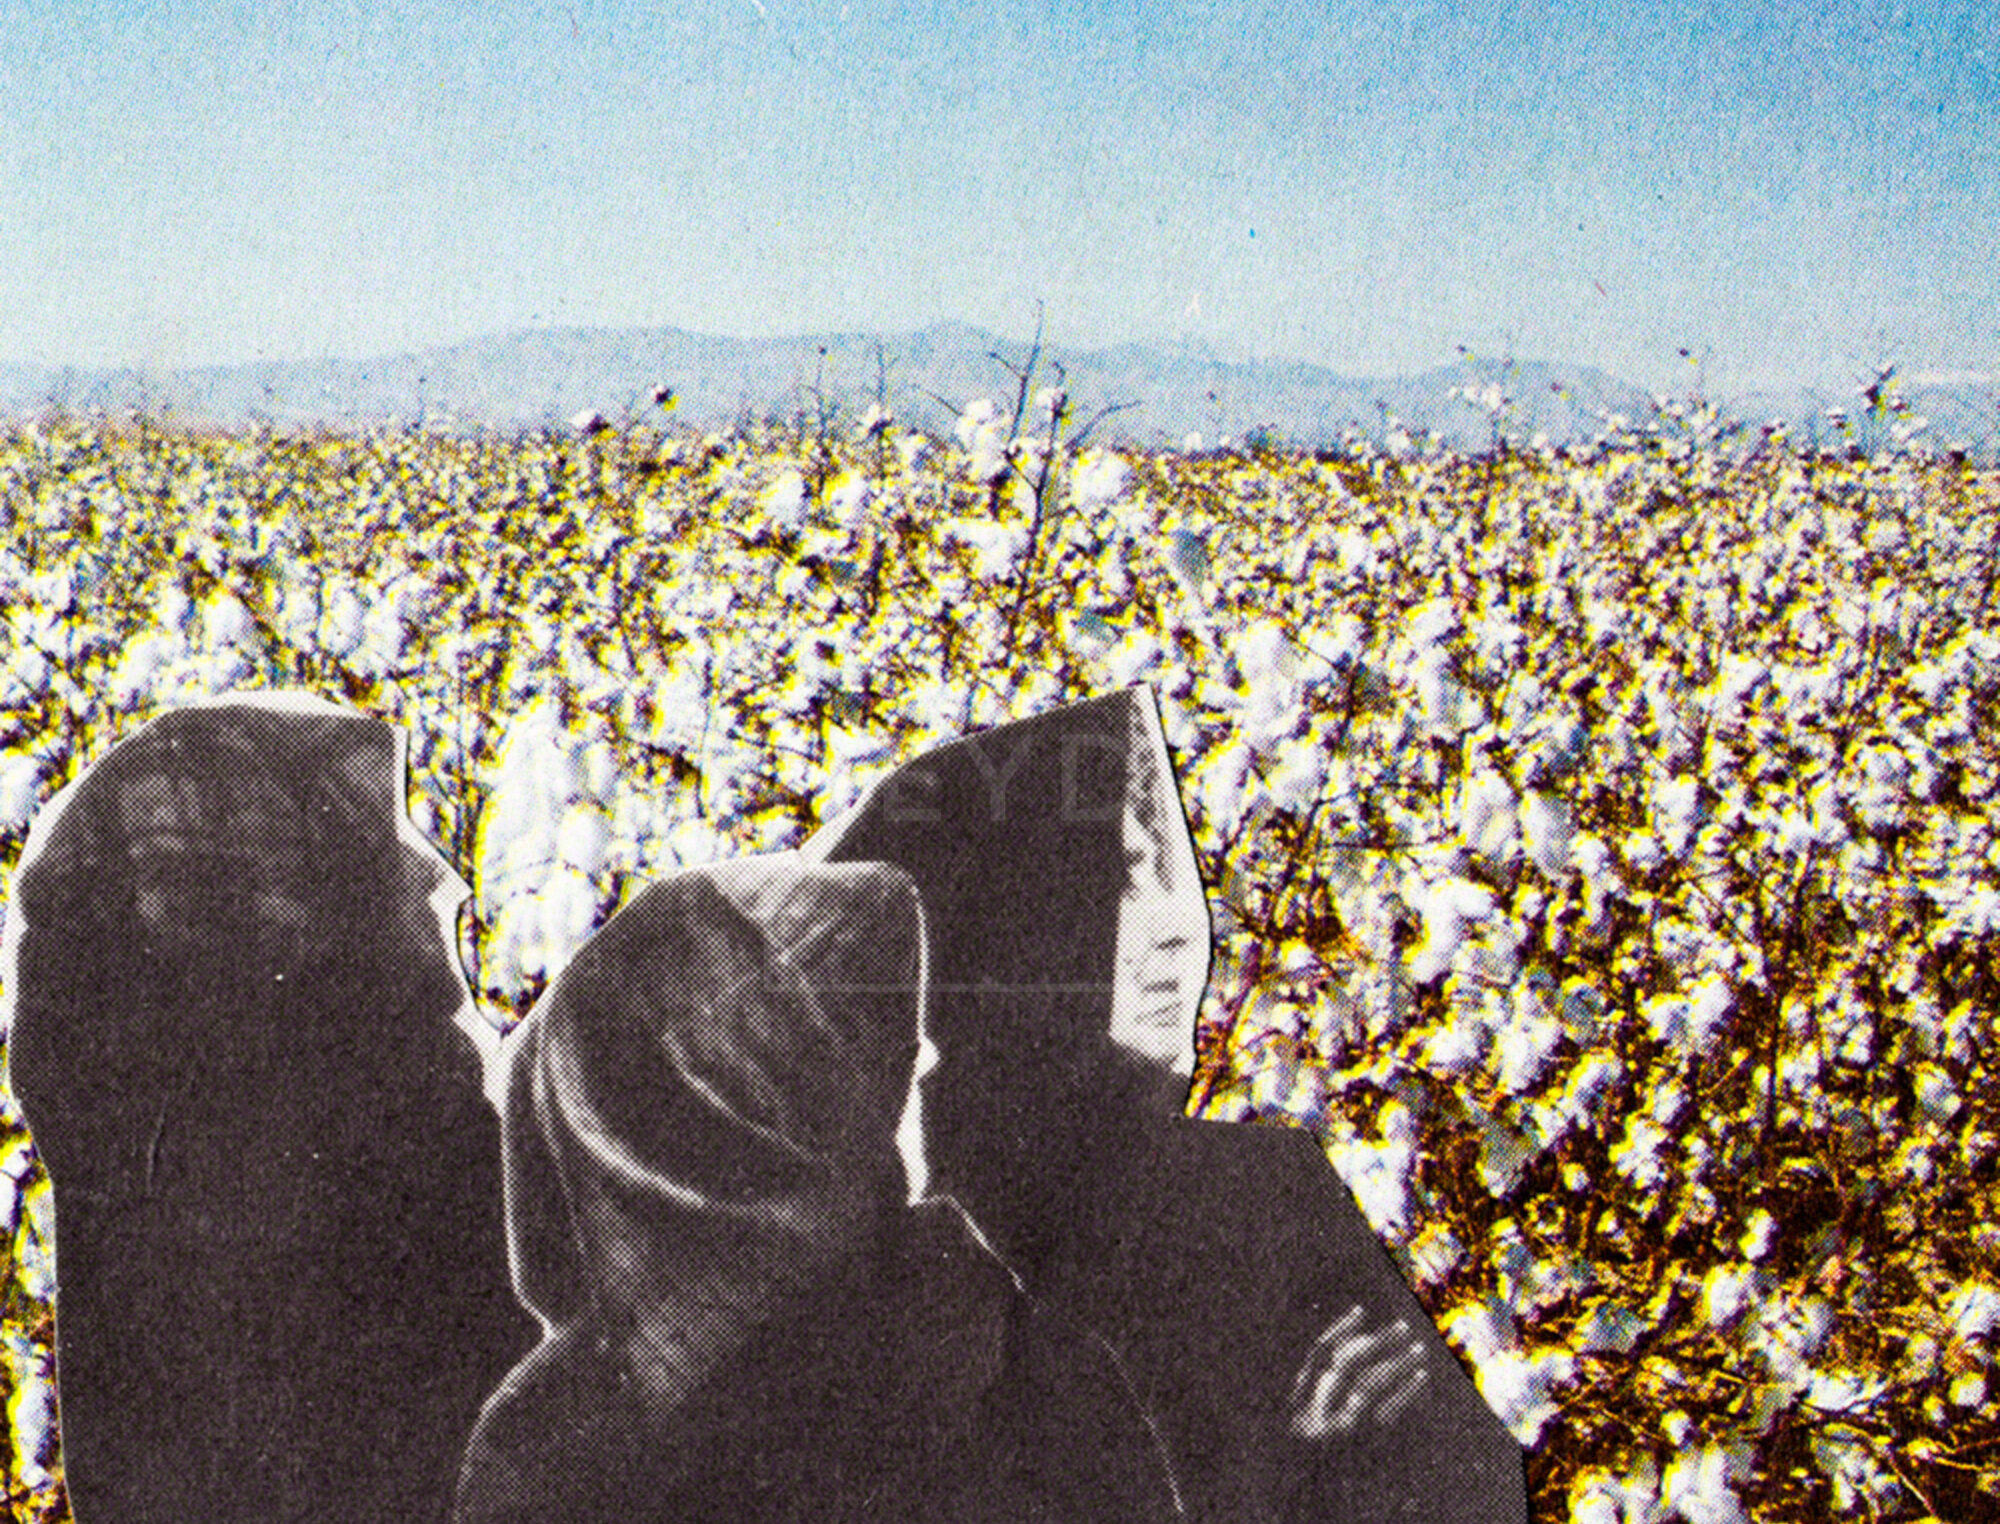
pixel 1163 945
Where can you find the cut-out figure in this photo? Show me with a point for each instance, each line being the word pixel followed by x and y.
pixel 279 1242
pixel 1293 1374
pixel 745 1318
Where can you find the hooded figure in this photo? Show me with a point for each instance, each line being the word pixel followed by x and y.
pixel 744 1317
pixel 1291 1371
pixel 282 1267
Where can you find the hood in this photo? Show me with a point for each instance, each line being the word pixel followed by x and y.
pixel 700 1112
pixel 1069 944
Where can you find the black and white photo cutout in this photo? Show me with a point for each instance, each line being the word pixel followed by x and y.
pixel 751 1310
pixel 240 1033
pixel 1287 1369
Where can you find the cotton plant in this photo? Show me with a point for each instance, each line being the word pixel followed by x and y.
pixel 1597 843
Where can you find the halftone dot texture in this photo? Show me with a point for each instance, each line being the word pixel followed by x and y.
pixel 700 1120
pixel 260 825
pixel 281 1265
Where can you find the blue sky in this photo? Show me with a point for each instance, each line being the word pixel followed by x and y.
pixel 1793 191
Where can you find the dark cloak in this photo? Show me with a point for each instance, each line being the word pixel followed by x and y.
pixel 1211 1256
pixel 280 1252
pixel 744 1320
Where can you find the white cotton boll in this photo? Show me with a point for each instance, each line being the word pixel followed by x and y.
pixel 176 609
pixel 794 583
pixel 978 413
pixel 1736 678
pixel 226 622
pixel 1264 651
pixel 533 780
pixel 342 622
pixel 1378 1175
pixel 681 707
pixel 299 611
pixel 26 677
pixel 1589 1082
pixel 987 461
pixel 1098 480
pixel 1129 660
pixel 1447 908
pixel 1434 951
pixel 1488 822
pixel 1547 828
pixel 1520 1388
pixel 933 708
pixel 383 635
pixel 583 840
pixel 1440 698
pixel 595 769
pixel 39 1198
pixel 1935 1091
pixel 1592 858
pixel 507 960
pixel 1217 786
pixel 1674 812
pixel 996 548
pixel 1431 624
pixel 1595 1505
pixel 10 1189
pixel 1929 680
pixel 20 789
pixel 848 499
pixel 1643 851
pixel 1270 711
pixel 1666 1017
pixel 222 670
pixel 982 434
pixel 1977 913
pixel 1709 1003
pixel 567 909
pixel 1459 1047
pixel 696 843
pixel 1484 1330
pixel 1636 1155
pixel 31 1413
pixel 53 591
pixel 1974 1310
pixel 1844 1391
pixel 1725 1292
pixel 1296 775
pixel 1344 639
pixel 139 668
pixel 1669 1102
pixel 1525 1046
pixel 1697 1486
pixel 1760 1233
pixel 858 750
pixel 783 502
pixel 1354 551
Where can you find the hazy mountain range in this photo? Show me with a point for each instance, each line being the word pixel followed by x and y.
pixel 547 377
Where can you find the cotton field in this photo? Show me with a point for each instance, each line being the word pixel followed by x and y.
pixel 1600 844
